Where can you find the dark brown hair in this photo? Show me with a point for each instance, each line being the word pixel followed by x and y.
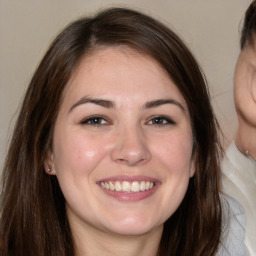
pixel 33 217
pixel 249 26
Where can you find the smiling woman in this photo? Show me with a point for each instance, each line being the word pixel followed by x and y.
pixel 115 151
pixel 114 146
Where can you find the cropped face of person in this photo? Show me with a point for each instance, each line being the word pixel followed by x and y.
pixel 245 85
pixel 122 146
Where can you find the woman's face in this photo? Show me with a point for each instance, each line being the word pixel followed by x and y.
pixel 122 147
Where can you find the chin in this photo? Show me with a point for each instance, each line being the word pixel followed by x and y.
pixel 131 230
pixel 133 226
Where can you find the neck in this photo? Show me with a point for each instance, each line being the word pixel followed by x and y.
pixel 91 242
pixel 246 140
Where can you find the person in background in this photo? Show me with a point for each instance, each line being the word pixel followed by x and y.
pixel 239 164
pixel 116 149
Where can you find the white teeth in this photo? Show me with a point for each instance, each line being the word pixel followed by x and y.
pixel 143 186
pixel 118 186
pixel 126 186
pixel 147 185
pixel 111 186
pixel 102 184
pixel 135 186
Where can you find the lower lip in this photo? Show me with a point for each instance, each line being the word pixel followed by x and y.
pixel 131 196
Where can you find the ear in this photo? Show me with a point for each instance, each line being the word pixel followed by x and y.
pixel 254 91
pixel 193 164
pixel 49 164
pixel 192 168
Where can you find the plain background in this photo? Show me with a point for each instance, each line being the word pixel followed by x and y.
pixel 211 29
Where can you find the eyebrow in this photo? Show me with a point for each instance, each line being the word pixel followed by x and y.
pixel 111 104
pixel 99 102
pixel 160 102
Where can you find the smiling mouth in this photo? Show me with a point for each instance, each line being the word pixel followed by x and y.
pixel 128 187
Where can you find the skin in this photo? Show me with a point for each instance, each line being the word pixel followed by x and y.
pixel 127 141
pixel 245 100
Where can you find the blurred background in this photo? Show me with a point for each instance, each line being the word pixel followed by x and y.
pixel 211 29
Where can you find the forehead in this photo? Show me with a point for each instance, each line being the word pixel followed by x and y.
pixel 102 54
pixel 120 70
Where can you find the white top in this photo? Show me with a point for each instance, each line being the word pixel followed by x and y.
pixel 233 228
pixel 239 181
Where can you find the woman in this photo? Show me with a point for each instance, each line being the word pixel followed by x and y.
pixel 115 151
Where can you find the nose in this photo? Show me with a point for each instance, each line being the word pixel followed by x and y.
pixel 131 147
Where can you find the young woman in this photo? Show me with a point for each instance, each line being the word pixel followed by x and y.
pixel 115 151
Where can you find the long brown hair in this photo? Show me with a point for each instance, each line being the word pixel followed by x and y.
pixel 33 217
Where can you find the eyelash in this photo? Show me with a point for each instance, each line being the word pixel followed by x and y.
pixel 94 121
pixel 100 120
pixel 161 121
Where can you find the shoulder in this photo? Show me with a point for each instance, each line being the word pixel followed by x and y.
pixel 231 208
pixel 233 227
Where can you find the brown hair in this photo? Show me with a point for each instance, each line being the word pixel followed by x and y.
pixel 249 26
pixel 33 216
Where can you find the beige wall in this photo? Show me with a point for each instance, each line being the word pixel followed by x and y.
pixel 210 28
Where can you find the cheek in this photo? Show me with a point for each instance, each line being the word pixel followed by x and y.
pixel 176 151
pixel 77 153
pixel 174 157
pixel 245 100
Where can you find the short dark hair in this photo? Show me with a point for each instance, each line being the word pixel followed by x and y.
pixel 33 218
pixel 249 26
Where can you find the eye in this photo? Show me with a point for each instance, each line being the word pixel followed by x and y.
pixel 95 121
pixel 160 120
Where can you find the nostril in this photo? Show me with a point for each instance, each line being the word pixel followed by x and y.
pixel 130 157
pixel 133 159
pixel 130 148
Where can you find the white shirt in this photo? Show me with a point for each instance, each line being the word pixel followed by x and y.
pixel 233 228
pixel 239 181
